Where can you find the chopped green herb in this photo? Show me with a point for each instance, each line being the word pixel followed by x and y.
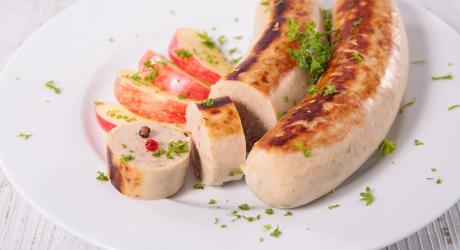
pixel 111 40
pixel 417 142
pixel 433 170
pixel 357 57
pixel 236 215
pixel 312 90
pixel 267 227
pixel 288 213
pixel 124 145
pixel 236 172
pixel 387 147
pixel 153 75
pixel 159 152
pixel 333 206
pixel 419 62
pixel 244 207
pixel 314 53
pixel 430 178
pixel 216 220
pixel 101 176
pixel 137 79
pixel 265 3
pixel 453 107
pixel 251 219
pixel 446 77
pixel 269 211
pixel 235 60
pixel 367 196
pixel 232 51
pixel 286 99
pixel 300 146
pixel 183 53
pixel 330 89
pixel 208 102
pixel 222 40
pixel 178 147
pixel 276 233
pixel 238 37
pixel 206 40
pixel 25 136
pixel 212 202
pixel 327 21
pixel 261 239
pixel 223 226
pixel 98 103
pixel 439 181
pixel 126 158
pixel 198 186
pixel 280 115
pixel 52 85
pixel 406 105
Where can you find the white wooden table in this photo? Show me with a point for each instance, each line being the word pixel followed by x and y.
pixel 22 227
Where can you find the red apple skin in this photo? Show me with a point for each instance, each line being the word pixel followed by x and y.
pixel 191 65
pixel 173 79
pixel 106 125
pixel 149 102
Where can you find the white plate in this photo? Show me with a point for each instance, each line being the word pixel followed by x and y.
pixel 55 169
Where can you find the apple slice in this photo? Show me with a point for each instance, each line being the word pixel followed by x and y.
pixel 157 70
pixel 195 53
pixel 147 100
pixel 110 115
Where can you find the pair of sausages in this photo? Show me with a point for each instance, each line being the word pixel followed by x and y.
pixel 341 130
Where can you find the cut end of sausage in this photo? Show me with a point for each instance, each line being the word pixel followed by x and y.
pixel 134 170
pixel 218 138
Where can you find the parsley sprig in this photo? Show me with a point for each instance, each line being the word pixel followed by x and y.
pixel 314 51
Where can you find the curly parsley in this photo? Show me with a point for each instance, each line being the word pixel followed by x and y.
pixel 314 52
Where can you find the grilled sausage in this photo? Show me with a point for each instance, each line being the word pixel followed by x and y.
pixel 267 76
pixel 343 129
pixel 136 172
pixel 218 139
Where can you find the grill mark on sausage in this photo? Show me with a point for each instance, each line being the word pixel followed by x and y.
pixel 242 67
pixel 310 119
pixel 270 35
